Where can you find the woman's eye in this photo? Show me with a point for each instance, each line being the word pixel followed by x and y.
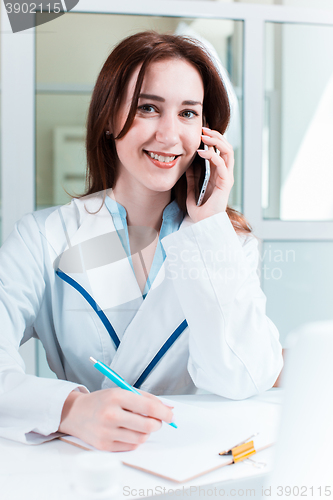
pixel 147 108
pixel 189 113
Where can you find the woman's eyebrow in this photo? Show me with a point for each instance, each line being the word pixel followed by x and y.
pixel 191 103
pixel 161 99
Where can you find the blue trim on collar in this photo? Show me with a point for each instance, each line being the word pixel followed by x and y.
pixel 171 340
pixel 93 304
pixel 166 346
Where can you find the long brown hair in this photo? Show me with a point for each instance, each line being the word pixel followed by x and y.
pixel 143 49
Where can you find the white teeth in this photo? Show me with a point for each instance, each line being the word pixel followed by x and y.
pixel 163 159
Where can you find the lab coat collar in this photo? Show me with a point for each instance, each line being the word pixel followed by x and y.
pixel 86 243
pixel 147 332
pixel 133 329
pixel 172 210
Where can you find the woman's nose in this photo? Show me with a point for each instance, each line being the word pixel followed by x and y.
pixel 167 131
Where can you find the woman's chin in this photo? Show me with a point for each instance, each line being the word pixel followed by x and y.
pixel 164 185
pixel 161 187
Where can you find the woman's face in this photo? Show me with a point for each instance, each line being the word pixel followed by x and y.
pixel 166 130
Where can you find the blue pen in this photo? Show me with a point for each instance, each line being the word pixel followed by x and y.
pixel 101 367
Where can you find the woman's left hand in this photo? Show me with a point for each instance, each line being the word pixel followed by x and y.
pixel 221 157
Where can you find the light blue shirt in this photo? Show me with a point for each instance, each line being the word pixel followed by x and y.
pixel 172 217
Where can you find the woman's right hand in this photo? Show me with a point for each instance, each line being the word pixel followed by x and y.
pixel 113 419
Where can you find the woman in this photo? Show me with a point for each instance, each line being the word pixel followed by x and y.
pixel 135 273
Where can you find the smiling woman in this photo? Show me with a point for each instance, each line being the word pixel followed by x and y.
pixel 110 276
pixel 165 134
pixel 129 61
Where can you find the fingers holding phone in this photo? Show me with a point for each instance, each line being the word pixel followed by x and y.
pixel 218 157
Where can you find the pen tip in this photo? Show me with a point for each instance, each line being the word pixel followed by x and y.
pixel 93 360
pixel 173 425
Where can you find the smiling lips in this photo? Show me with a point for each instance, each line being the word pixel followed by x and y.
pixel 162 160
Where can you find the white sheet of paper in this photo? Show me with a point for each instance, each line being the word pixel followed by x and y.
pixel 193 448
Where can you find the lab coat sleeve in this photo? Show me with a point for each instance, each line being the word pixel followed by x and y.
pixel 234 348
pixel 30 407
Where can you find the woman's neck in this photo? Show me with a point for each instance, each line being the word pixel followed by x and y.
pixel 143 208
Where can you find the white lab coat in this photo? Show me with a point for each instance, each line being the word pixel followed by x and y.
pixel 209 278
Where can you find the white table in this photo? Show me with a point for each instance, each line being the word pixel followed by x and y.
pixel 44 472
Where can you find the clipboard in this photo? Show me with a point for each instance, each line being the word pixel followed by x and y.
pixel 192 450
